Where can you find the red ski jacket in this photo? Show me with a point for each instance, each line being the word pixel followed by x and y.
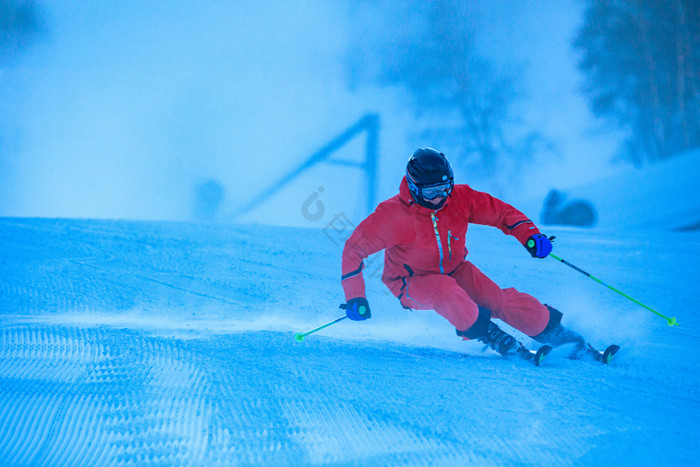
pixel 420 241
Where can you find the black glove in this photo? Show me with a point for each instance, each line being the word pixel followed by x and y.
pixel 357 309
pixel 539 245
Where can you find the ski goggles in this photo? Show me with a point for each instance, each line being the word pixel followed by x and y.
pixel 440 189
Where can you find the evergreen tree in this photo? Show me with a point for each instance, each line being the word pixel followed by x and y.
pixel 18 28
pixel 642 63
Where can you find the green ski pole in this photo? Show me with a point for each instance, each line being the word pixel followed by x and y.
pixel 671 321
pixel 299 336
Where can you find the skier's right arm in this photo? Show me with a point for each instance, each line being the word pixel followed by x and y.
pixel 382 229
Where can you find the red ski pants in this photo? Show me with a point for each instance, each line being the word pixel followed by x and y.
pixel 457 297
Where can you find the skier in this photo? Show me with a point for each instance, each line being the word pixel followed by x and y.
pixel 423 231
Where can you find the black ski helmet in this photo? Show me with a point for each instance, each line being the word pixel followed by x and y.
pixel 428 172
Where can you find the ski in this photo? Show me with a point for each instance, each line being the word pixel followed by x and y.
pixel 534 356
pixel 604 357
pixel 588 352
pixel 579 351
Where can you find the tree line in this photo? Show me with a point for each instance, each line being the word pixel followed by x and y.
pixel 641 59
pixel 639 62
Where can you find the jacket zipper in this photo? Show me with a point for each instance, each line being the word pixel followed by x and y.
pixel 437 237
pixel 449 242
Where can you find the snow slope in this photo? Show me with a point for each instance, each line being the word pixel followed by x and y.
pixel 171 343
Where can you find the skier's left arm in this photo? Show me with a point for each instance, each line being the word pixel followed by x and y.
pixel 487 210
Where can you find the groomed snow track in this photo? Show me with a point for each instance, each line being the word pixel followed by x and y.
pixel 157 343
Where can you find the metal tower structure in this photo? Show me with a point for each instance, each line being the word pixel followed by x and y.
pixel 369 123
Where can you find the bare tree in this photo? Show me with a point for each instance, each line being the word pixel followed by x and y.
pixel 427 48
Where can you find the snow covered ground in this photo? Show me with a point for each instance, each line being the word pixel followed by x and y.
pixel 171 343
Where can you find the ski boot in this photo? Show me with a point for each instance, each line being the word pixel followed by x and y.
pixel 507 345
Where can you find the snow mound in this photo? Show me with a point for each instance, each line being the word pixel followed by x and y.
pixel 660 196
